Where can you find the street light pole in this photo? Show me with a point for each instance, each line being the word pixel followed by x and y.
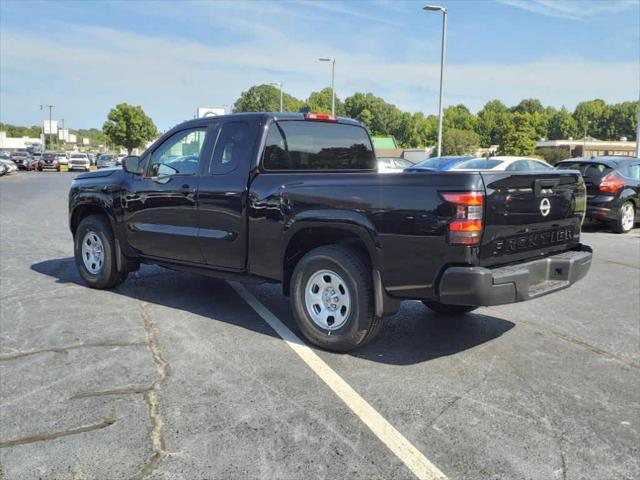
pixel 638 130
pixel 279 85
pixel 333 82
pixel 436 8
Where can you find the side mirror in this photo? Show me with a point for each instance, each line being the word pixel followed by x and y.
pixel 131 164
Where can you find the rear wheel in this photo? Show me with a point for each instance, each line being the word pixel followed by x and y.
pixel 626 218
pixel 94 248
pixel 444 309
pixel 332 298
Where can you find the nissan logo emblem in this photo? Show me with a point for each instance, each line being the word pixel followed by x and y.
pixel 545 207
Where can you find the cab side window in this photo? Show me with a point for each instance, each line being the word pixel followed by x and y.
pixel 634 171
pixel 178 155
pixel 233 145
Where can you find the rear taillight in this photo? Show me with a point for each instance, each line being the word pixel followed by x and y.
pixel 611 183
pixel 466 226
pixel 323 117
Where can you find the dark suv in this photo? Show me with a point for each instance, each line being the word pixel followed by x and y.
pixel 613 189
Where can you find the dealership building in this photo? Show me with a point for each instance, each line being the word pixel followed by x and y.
pixel 14 143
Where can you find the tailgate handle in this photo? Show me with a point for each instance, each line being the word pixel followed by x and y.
pixel 544 184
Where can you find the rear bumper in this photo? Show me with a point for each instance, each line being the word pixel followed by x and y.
pixel 515 283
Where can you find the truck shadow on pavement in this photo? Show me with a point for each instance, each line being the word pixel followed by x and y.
pixel 413 335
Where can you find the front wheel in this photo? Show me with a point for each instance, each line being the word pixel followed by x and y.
pixel 444 309
pixel 332 298
pixel 94 249
pixel 626 218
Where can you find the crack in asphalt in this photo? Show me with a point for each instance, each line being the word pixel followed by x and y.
pixel 43 437
pixel 13 356
pixel 151 396
pixel 581 343
pixel 115 391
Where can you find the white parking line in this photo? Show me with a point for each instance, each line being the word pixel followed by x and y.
pixel 394 440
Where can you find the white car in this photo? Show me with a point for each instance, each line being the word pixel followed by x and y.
pixel 79 161
pixel 62 158
pixel 120 157
pixel 510 164
pixel 392 164
pixel 11 166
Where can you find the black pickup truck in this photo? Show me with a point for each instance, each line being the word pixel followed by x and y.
pixel 297 199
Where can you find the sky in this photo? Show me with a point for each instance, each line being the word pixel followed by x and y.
pixel 172 57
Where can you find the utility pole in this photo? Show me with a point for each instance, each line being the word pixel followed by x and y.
pixel 50 107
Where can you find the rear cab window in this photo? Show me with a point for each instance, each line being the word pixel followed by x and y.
pixel 302 145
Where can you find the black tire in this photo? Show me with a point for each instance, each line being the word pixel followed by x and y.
pixel 108 276
pixel 444 309
pixel 361 324
pixel 618 225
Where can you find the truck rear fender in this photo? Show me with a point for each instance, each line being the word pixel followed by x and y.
pixel 314 228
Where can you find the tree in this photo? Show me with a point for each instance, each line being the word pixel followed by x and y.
pixel 591 116
pixel 460 142
pixel 528 105
pixel 519 138
pixel 562 125
pixel 458 117
pixel 128 126
pixel 623 120
pixel 492 121
pixel 320 102
pixel 265 98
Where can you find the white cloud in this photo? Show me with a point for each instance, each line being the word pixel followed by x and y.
pixel 85 71
pixel 572 9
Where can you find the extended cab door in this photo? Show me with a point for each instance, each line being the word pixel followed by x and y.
pixel 222 196
pixel 160 209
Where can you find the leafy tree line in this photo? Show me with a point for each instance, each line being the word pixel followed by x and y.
pixel 515 129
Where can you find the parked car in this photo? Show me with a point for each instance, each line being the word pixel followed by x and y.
pixel 120 157
pixel 48 161
pixel 62 158
pixel 438 164
pixel 509 164
pixel 229 197
pixel 34 160
pixel 79 161
pixel 4 155
pixel 392 164
pixel 20 157
pixel 3 169
pixel 11 167
pixel 613 189
pixel 106 161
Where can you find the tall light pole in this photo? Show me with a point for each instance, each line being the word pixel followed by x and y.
pixel 50 107
pixel 436 8
pixel 279 85
pixel 333 81
pixel 584 139
pixel 638 130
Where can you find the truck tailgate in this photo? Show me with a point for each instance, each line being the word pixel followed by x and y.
pixel 528 215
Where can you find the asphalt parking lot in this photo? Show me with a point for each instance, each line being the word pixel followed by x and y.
pixel 172 375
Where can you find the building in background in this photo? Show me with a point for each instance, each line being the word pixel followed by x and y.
pixel 590 147
pixel 12 143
